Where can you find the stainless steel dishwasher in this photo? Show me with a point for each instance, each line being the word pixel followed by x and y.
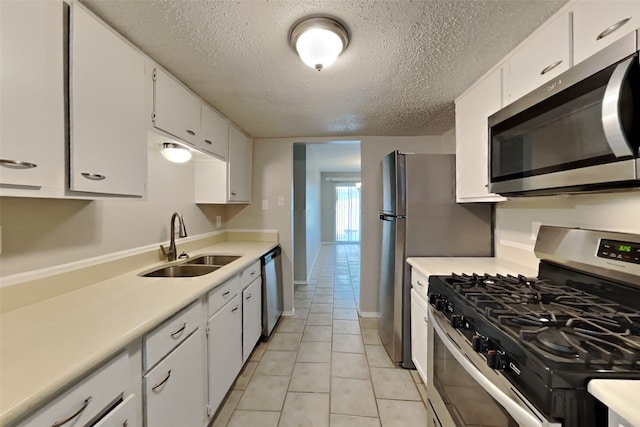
pixel 271 290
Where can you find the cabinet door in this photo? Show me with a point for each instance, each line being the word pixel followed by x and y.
pixel 239 166
pixel 124 415
pixel 472 139
pixel 419 334
pixel 214 133
pixel 174 388
pixel 598 23
pixel 251 317
pixel 224 343
pixel 539 59
pixel 108 132
pixel 176 110
pixel 32 117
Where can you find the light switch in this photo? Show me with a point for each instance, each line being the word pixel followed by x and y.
pixel 280 200
pixel 265 204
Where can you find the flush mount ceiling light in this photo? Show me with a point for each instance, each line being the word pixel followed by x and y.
pixel 319 41
pixel 175 152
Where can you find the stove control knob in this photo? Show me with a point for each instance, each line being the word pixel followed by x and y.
pixel 433 298
pixel 479 343
pixel 441 304
pixel 456 321
pixel 496 360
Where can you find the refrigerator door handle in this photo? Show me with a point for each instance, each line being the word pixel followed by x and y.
pixel 387 217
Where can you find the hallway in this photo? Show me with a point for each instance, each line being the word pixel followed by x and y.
pixel 325 366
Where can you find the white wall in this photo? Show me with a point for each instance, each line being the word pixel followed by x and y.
pixel 610 212
pixel 272 176
pixel 39 233
pixel 313 222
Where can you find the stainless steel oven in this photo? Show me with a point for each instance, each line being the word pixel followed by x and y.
pixel 464 391
pixel 579 132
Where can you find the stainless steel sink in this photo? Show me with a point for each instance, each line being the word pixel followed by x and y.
pixel 218 260
pixel 182 270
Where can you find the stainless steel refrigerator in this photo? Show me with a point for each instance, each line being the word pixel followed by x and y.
pixel 420 217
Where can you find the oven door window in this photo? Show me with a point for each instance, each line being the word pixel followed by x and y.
pixel 565 131
pixel 467 402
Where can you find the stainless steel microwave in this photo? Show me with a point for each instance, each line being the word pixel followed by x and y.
pixel 578 132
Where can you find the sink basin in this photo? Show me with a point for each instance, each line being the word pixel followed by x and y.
pixel 182 270
pixel 219 260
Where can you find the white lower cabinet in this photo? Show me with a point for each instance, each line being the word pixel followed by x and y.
pixel 224 344
pixel 251 317
pixel 419 333
pixel 174 388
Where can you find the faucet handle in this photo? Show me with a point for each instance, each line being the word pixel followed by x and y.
pixel 164 251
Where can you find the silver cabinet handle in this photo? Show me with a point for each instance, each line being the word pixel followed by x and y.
pixel 253 273
pixel 75 414
pixel 419 284
pixel 162 382
pixel 125 423
pixel 93 176
pixel 425 319
pixel 17 164
pixel 233 194
pixel 235 309
pixel 548 68
pixel 612 28
pixel 179 332
pixel 208 141
pixel 249 296
pixel 226 294
pixel 611 120
pixel 190 132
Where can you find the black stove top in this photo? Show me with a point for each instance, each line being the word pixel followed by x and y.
pixel 560 324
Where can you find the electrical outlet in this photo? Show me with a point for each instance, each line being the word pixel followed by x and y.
pixel 218 221
pixel 535 227
pixel 265 204
pixel 280 200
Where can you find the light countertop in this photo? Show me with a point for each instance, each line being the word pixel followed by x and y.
pixel 46 345
pixel 435 266
pixel 621 396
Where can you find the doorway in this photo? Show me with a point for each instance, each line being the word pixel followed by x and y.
pixel 347 212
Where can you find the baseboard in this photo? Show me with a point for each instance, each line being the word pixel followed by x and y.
pixel 289 313
pixel 368 313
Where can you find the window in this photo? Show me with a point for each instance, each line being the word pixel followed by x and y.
pixel 347 214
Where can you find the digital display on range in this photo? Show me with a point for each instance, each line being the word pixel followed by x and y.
pixel 619 251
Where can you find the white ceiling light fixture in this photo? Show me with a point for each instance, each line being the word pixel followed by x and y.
pixel 175 152
pixel 319 41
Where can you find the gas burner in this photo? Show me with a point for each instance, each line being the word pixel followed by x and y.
pixel 557 342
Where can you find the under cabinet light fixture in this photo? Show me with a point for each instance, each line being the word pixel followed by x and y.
pixel 175 152
pixel 319 41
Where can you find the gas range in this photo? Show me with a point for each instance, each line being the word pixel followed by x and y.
pixel 549 335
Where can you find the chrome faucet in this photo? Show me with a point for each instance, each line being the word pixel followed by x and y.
pixel 171 253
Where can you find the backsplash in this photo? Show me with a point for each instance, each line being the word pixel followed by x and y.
pixel 517 220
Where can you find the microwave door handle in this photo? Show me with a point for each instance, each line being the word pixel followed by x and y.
pixel 522 416
pixel 611 121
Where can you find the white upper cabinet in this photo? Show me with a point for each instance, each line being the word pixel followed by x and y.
pixel 240 151
pixel 598 23
pixel 32 116
pixel 541 58
pixel 176 110
pixel 214 136
pixel 472 139
pixel 108 134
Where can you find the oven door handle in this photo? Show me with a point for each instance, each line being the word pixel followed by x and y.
pixel 611 120
pixel 522 416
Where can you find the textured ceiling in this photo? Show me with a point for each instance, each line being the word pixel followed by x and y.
pixel 406 62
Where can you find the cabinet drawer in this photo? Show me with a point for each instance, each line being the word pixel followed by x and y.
pixel 250 274
pixel 88 398
pixel 420 283
pixel 122 416
pixel 171 333
pixel 222 294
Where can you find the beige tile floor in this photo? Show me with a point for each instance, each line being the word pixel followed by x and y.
pixel 325 366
